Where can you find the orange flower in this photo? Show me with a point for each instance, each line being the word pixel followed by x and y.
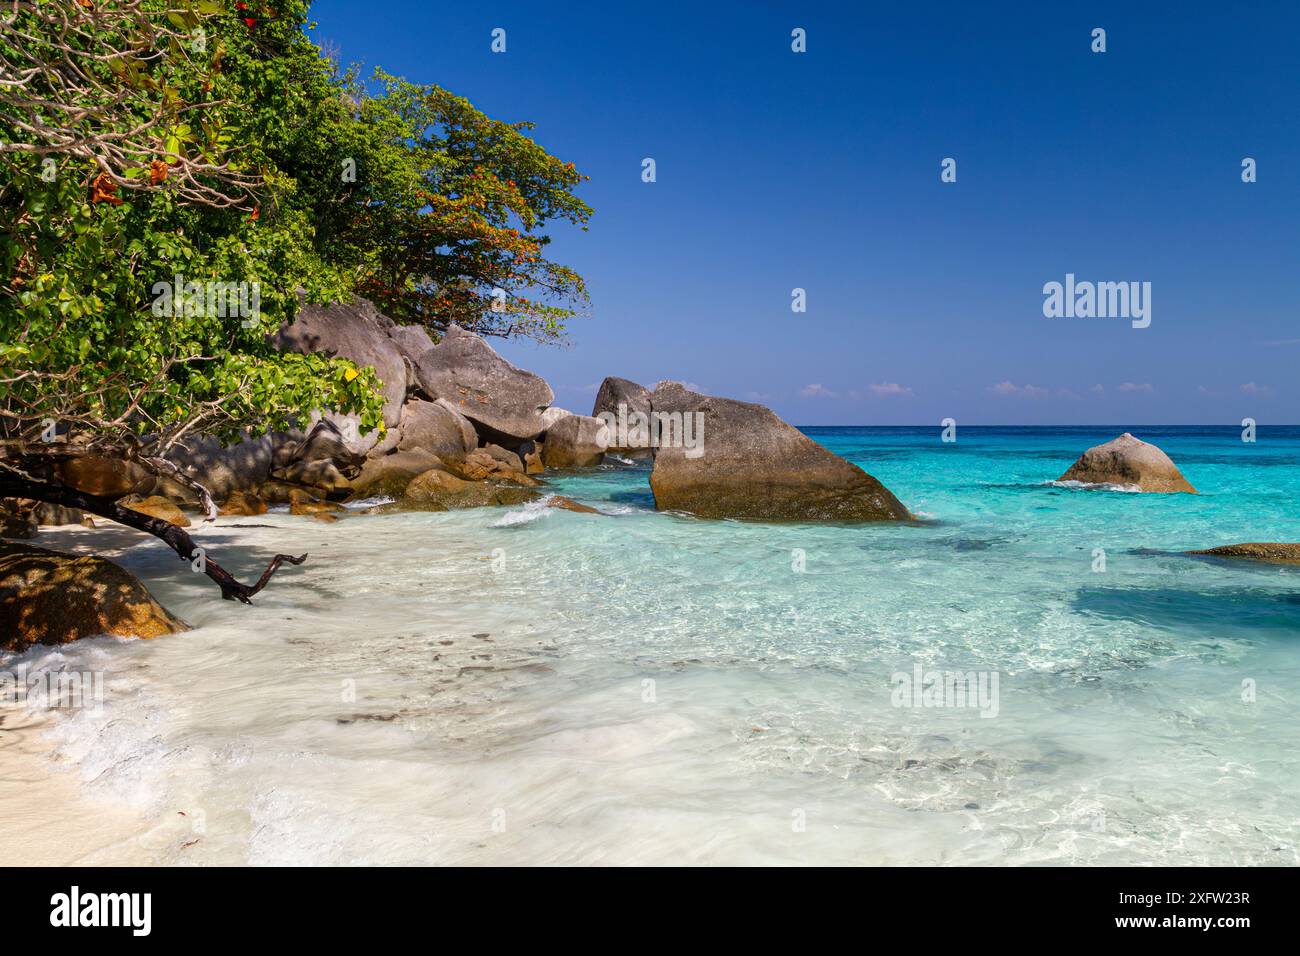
pixel 157 171
pixel 103 189
pixel 253 216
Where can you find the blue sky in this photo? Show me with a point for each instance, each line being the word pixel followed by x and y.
pixel 821 171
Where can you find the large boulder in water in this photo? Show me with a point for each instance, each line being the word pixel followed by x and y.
pixel 507 402
pixel 52 598
pixel 623 403
pixel 1131 462
pixel 720 458
pixel 576 441
pixel 356 331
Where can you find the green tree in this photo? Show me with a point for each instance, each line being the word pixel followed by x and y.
pixel 445 220
pixel 149 162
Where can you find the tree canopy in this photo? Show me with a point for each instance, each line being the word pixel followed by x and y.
pixel 153 147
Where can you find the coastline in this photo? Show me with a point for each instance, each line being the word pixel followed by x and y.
pixel 645 687
pixel 49 818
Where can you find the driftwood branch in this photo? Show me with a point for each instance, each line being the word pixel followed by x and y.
pixel 15 486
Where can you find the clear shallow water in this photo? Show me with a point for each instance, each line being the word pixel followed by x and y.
pixel 531 685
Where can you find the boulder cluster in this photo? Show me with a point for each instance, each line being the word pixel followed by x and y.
pixel 463 427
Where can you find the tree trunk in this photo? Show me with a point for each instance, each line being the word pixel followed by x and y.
pixel 13 486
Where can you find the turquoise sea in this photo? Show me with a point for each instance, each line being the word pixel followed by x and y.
pixel 537 686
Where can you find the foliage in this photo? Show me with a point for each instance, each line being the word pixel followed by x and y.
pixel 446 212
pixel 191 141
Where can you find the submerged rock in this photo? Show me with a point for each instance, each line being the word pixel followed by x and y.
pixel 568 504
pixel 720 458
pixel 51 598
pixel 463 369
pixel 1128 461
pixel 1271 552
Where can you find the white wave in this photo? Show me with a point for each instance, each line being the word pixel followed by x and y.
pixel 374 502
pixel 1094 486
pixel 525 515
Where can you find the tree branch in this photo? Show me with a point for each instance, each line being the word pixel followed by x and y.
pixel 14 486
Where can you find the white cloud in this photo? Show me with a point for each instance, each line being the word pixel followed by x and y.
pixel 816 391
pixel 891 388
pixel 1018 391
pixel 1250 388
pixel 1137 387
